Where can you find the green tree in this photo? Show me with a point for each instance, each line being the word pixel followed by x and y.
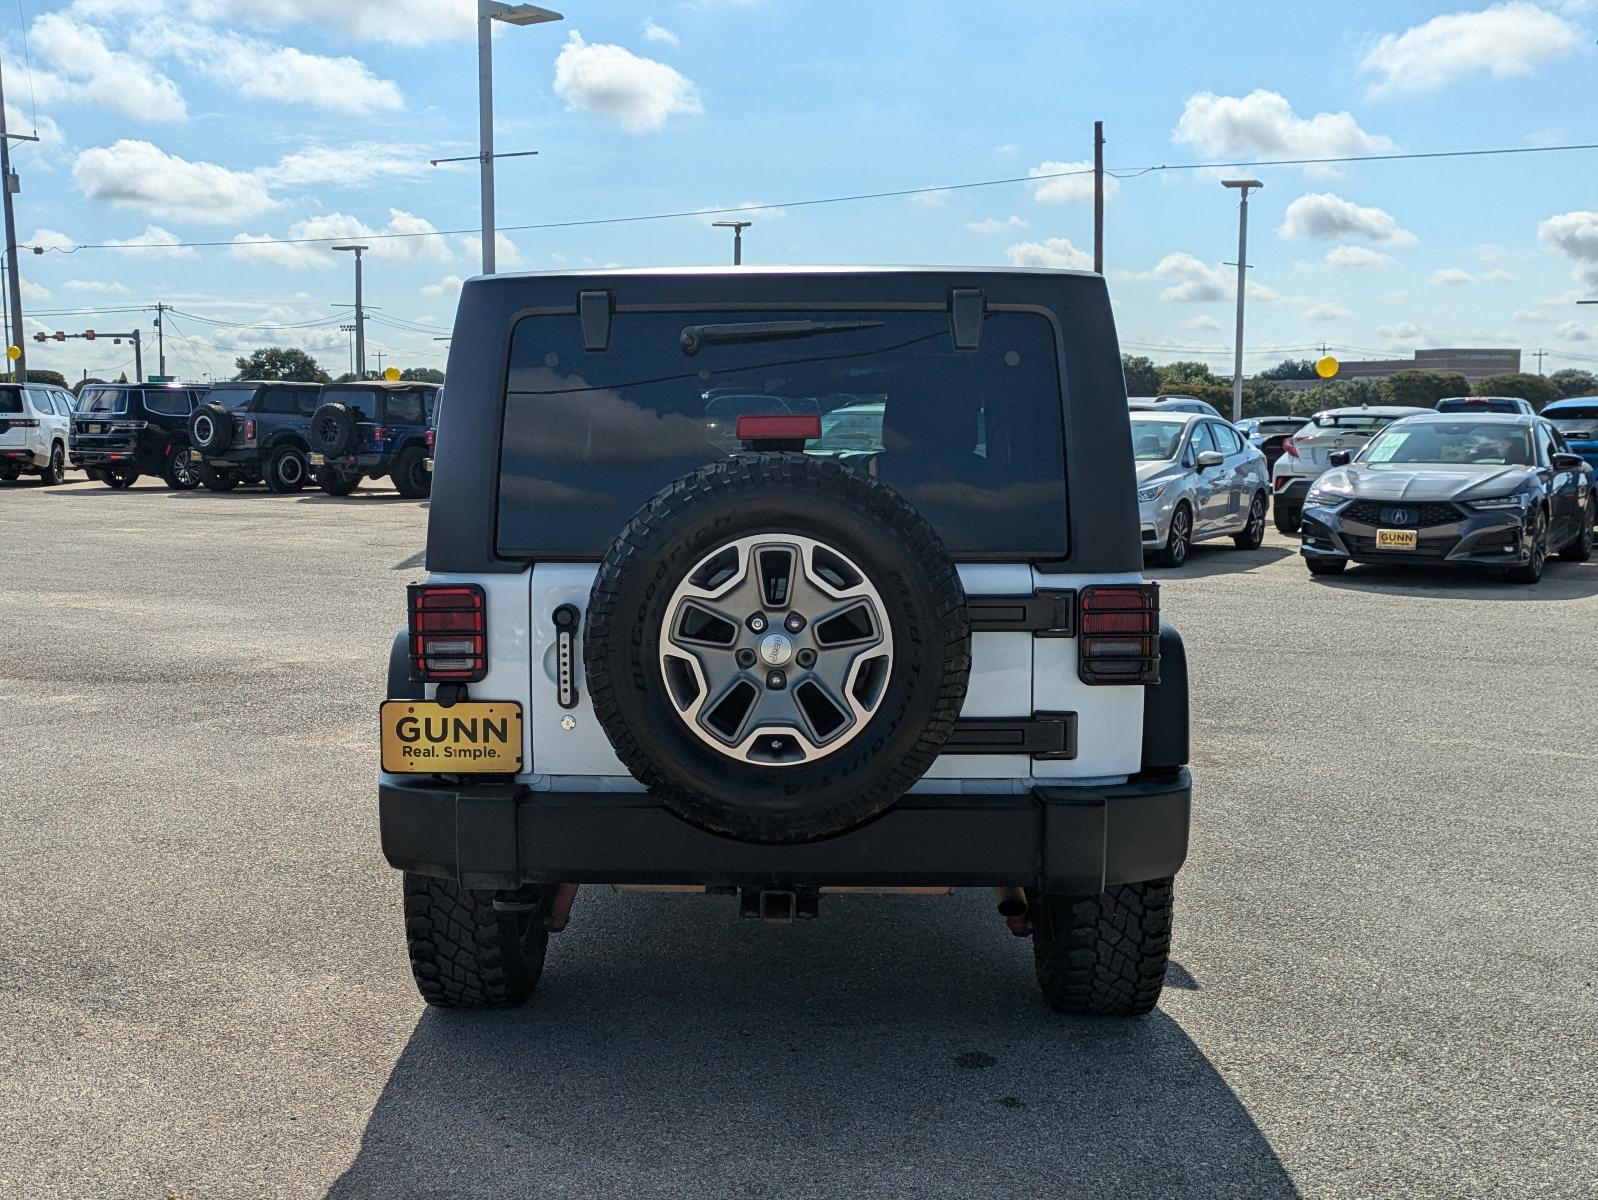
pixel 1528 387
pixel 422 375
pixel 1142 376
pixel 1422 389
pixel 1184 376
pixel 1291 368
pixel 1573 382
pixel 77 388
pixel 53 377
pixel 277 362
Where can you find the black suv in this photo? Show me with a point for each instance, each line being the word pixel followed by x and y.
pixel 674 637
pixel 368 430
pixel 123 430
pixel 251 430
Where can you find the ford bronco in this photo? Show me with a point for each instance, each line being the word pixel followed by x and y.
pixel 776 583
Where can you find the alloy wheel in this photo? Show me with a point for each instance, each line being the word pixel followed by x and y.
pixel 1179 536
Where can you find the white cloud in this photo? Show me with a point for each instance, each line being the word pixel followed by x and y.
pixel 450 285
pixel 155 242
pixel 1575 235
pixel 398 22
pixel 1203 322
pixel 1452 277
pixel 506 252
pixel 1193 281
pixel 1071 186
pixel 308 242
pixel 1327 312
pixel 1575 331
pixel 1057 252
pixel 1550 309
pixel 1404 334
pixel 1263 123
pixel 659 33
pixel 261 71
pixel 32 291
pixel 351 165
pixel 638 93
pixel 1006 148
pixel 930 199
pixel 99 287
pixel 996 225
pixel 50 239
pixel 142 176
pixel 1325 216
pixel 1504 41
pixel 92 73
pixel 1357 256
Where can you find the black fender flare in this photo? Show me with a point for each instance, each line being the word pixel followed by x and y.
pixel 1165 707
pixel 400 684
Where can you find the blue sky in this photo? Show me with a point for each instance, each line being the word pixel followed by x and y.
pixel 173 121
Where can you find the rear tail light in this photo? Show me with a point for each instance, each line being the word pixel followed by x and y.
pixel 449 640
pixel 1290 448
pixel 127 426
pixel 249 430
pixel 430 438
pixel 1119 634
pixel 779 427
pixel 379 433
pixel 23 423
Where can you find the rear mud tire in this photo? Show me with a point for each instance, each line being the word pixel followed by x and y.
pixel 121 478
pixel 411 476
pixel 465 953
pixel 218 481
pixel 1287 517
pixel 337 483
pixel 334 429
pixel 1104 955
pixel 211 428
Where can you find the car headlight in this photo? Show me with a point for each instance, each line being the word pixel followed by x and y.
pixel 1321 494
pixel 1516 502
pixel 1152 492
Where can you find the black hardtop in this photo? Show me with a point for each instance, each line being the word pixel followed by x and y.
pixel 384 388
pixel 1102 506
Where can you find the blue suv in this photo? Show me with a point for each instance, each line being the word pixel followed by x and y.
pixel 368 430
pixel 1577 419
pixel 250 430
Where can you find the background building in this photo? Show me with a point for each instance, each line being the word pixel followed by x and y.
pixel 1472 364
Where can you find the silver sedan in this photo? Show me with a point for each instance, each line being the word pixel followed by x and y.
pixel 1197 478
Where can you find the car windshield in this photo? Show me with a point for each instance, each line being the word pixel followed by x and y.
pixel 1456 443
pixel 10 400
pixel 231 397
pixel 1155 441
pixel 1576 420
pixel 1366 423
pixel 973 438
pixel 103 400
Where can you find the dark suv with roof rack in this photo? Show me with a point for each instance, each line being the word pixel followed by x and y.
pixel 368 430
pixel 773 584
pixel 123 430
pixel 250 430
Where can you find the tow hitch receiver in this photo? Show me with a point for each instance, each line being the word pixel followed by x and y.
pixel 778 907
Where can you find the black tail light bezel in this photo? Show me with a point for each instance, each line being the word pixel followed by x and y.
pixel 461 598
pixel 1119 656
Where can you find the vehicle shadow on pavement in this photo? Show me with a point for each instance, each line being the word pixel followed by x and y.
pixel 1205 560
pixel 1560 581
pixel 896 1046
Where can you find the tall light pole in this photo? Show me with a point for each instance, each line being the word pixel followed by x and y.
pixel 360 312
pixel 1243 186
pixel 737 228
pixel 489 11
pixel 9 185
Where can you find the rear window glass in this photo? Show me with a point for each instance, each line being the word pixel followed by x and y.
pixel 1581 421
pixel 363 400
pixel 405 408
pixel 234 399
pixel 103 400
pixel 10 400
pixel 1477 404
pixel 973 439
pixel 1352 422
pixel 168 402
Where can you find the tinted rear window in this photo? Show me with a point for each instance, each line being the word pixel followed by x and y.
pixel 169 402
pixel 1481 405
pixel 972 439
pixel 10 400
pixel 1582 420
pixel 103 400
pixel 234 399
pixel 363 400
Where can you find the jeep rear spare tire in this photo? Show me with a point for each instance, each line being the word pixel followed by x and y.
pixel 777 646
pixel 333 429
pixel 211 428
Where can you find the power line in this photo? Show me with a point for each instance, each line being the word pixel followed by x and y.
pixel 814 202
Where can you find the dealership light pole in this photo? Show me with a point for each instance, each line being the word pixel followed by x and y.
pixel 360 312
pixel 737 228
pixel 1243 186
pixel 9 185
pixel 489 11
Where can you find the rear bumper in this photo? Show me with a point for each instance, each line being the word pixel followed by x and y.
pixel 23 456
pixel 1063 840
pixel 1290 489
pixel 366 464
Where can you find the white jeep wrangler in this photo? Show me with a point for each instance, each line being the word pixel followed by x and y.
pixel 771 583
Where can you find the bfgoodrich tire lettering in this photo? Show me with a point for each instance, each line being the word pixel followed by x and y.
pixel 464 952
pixel 1103 955
pixel 867 523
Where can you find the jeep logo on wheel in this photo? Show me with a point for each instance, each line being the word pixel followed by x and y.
pixel 776 650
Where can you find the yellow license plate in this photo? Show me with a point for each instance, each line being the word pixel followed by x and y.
pixel 1395 539
pixel 196 456
pixel 318 460
pixel 425 737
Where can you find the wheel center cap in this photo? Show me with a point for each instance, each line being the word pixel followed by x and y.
pixel 775 649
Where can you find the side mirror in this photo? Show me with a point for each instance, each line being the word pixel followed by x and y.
pixel 1568 462
pixel 1210 458
pixel 1340 458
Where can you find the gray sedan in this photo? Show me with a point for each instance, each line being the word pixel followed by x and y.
pixel 1197 478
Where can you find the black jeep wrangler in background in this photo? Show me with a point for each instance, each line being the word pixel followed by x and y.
pixel 252 430
pixel 123 430
pixel 368 430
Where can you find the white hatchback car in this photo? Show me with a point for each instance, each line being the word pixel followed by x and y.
pixel 1304 455
pixel 1197 478
pixel 35 420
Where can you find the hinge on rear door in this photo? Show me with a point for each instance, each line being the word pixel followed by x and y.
pixel 1042 735
pixel 1047 614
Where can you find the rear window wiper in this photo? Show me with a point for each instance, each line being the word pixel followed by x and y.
pixel 696 337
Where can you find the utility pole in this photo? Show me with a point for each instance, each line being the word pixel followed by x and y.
pixel 1098 196
pixel 138 358
pixel 160 338
pixel 10 185
pixel 380 357
pixel 737 228
pixel 350 329
pixel 1539 356
pixel 1243 186
pixel 360 312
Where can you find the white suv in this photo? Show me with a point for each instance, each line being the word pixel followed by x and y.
pixel 1303 458
pixel 35 420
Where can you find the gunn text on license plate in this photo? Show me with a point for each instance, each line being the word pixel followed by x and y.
pixel 469 737
pixel 1395 539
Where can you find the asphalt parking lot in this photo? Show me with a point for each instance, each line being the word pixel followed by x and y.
pixel 1386 943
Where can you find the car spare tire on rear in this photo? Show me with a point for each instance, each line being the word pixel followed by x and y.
pixel 777 646
pixel 333 429
pixel 211 428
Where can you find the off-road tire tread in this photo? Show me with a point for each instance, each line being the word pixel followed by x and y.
pixel 1287 518
pixel 465 954
pixel 860 492
pixel 409 459
pixel 1104 955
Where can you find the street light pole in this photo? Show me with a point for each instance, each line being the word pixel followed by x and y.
pixel 1243 186
pixel 360 313
pixel 8 185
pixel 737 228
pixel 489 11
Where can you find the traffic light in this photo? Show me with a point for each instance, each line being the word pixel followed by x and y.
pixel 59 336
pixel 39 337
pixel 88 335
